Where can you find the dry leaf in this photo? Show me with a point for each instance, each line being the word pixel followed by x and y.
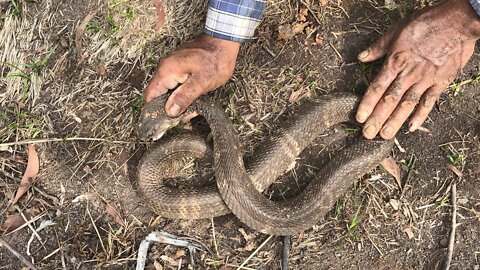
pixel 391 4
pixel 455 170
pixel 409 232
pixel 30 174
pixel 101 70
pixel 180 253
pixel 114 213
pixel 12 222
pixel 170 260
pixel 160 14
pixel 285 32
pixel 295 95
pixel 302 15
pixel 248 238
pixel 298 28
pixel 323 2
pixel 392 168
pixel 395 204
pixel 318 39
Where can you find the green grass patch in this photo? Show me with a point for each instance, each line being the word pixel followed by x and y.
pixel 352 227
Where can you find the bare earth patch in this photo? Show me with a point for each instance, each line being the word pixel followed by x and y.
pixel 71 78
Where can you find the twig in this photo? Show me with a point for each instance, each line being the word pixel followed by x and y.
pixel 286 249
pixel 169 239
pixel 336 51
pixel 215 239
pixel 255 252
pixel 61 140
pixel 28 224
pixel 409 175
pixel 451 242
pixel 17 254
pixel 311 11
pixel 96 230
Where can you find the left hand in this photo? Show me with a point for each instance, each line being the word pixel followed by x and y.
pixel 424 54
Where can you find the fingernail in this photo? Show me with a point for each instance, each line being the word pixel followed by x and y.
pixel 370 131
pixel 364 54
pixel 362 116
pixel 413 126
pixel 175 110
pixel 388 130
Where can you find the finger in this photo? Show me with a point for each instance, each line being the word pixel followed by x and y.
pixel 374 92
pixel 168 75
pixel 183 97
pixel 425 106
pixel 387 104
pixel 379 48
pixel 402 111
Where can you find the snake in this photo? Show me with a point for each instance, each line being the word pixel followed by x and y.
pixel 239 185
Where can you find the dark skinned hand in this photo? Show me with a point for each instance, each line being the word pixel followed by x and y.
pixel 198 67
pixel 423 56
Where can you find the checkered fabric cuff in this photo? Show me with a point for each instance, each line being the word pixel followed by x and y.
pixel 476 5
pixel 234 20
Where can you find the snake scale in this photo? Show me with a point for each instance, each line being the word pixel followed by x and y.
pixel 238 185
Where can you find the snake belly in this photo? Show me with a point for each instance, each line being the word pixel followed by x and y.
pixel 239 185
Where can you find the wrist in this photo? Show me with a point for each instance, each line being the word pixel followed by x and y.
pixel 230 48
pixel 467 17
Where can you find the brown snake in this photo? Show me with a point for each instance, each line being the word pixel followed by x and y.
pixel 239 186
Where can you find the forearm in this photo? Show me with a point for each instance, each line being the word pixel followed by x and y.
pixel 234 20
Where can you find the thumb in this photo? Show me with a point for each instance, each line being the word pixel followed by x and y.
pixel 183 97
pixel 167 76
pixel 379 48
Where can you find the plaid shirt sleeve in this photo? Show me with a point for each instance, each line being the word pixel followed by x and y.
pixel 476 5
pixel 234 20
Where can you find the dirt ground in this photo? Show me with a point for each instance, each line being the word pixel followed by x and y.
pixel 57 82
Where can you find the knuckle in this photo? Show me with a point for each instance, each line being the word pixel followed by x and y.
pixel 398 61
pixel 375 89
pixel 394 92
pixel 412 96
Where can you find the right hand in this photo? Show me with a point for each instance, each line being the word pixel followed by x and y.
pixel 199 67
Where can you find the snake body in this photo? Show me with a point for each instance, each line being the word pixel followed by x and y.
pixel 239 186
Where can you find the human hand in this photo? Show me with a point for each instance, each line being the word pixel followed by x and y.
pixel 423 56
pixel 198 67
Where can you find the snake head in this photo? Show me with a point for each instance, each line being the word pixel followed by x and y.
pixel 154 121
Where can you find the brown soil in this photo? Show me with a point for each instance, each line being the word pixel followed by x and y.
pixel 366 229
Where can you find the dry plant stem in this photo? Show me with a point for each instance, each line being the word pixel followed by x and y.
pixel 61 140
pixel 17 254
pixel 286 249
pixel 451 242
pixel 311 11
pixel 255 252
pixel 409 175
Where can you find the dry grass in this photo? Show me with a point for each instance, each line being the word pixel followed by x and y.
pixel 45 93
